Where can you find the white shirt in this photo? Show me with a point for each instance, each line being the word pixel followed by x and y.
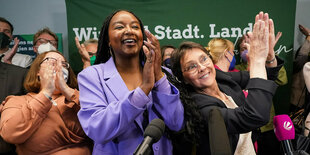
pixel 21 60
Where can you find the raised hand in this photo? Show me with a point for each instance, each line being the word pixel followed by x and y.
pixel 9 56
pixel 278 36
pixel 304 30
pixel 259 46
pixel 153 45
pixel 148 75
pixel 83 52
pixel 60 82
pixel 47 75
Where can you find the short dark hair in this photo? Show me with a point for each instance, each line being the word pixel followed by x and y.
pixel 163 48
pixel 6 21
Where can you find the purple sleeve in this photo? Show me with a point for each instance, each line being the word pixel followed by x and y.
pixel 167 101
pixel 101 117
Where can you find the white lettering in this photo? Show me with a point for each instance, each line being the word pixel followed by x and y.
pixel 187 33
pixel 82 34
pixel 177 34
pixel 234 30
pixel 146 27
pixel 212 35
pixel 159 30
pixel 248 29
pixel 282 48
pixel 95 33
pixel 168 31
pixel 196 30
pixel 229 32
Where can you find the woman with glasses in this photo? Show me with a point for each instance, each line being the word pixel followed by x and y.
pixel 209 88
pixel 44 121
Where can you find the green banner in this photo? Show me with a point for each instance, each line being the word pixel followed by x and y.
pixel 175 21
pixel 25 45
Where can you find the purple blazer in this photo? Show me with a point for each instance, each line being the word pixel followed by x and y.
pixel 112 115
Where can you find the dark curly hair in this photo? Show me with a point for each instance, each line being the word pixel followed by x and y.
pixel 103 53
pixel 195 124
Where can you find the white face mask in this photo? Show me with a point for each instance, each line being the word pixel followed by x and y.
pixel 45 48
pixel 65 72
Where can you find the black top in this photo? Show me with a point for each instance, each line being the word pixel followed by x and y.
pixel 252 112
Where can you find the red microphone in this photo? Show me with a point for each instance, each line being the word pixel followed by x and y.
pixel 285 131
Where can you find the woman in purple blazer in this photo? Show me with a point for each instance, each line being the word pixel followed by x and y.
pixel 125 88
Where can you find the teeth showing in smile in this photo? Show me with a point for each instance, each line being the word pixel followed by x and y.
pixel 205 76
pixel 129 41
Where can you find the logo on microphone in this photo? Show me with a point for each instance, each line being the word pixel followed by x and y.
pixel 287 125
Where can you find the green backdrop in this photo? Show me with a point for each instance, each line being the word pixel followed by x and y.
pixel 174 21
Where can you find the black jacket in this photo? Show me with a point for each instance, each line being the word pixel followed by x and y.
pixel 252 112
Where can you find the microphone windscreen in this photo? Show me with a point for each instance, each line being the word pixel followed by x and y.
pixel 155 129
pixel 283 127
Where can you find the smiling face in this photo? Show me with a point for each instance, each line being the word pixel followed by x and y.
pixel 125 35
pixel 197 69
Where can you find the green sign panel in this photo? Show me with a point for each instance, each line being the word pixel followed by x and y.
pixel 175 21
pixel 25 45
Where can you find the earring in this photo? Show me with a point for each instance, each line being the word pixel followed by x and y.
pixel 110 50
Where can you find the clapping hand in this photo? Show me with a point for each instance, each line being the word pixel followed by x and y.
pixel 259 45
pixel 83 52
pixel 9 56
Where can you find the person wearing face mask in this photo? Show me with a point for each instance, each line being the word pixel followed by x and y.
pixel 44 121
pixel 44 40
pixel 222 53
pixel 166 52
pixel 9 55
pixel 87 51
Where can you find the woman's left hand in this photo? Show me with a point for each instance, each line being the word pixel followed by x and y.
pixel 153 45
pixel 60 82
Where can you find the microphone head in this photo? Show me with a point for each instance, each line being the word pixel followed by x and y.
pixel 283 127
pixel 155 129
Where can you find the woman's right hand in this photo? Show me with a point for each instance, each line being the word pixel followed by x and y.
pixel 47 75
pixel 259 46
pixel 83 52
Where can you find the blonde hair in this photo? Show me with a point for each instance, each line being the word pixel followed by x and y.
pixel 217 48
pixel 90 41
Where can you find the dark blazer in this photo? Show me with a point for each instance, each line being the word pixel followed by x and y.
pixel 252 112
pixel 11 80
pixel 11 83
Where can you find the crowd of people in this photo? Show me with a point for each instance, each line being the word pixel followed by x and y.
pixel 128 80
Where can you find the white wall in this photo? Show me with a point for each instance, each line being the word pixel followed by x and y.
pixel 28 16
pixel 303 18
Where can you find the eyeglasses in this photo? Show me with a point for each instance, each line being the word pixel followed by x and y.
pixel 63 63
pixel 91 54
pixel 44 41
pixel 193 67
